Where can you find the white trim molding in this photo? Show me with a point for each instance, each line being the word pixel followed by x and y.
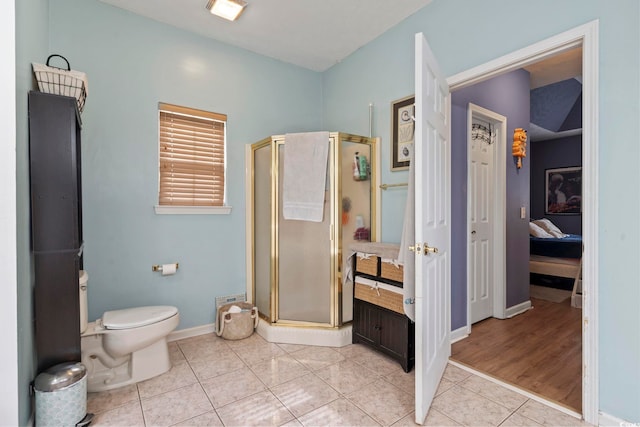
pixel 10 396
pixel 590 144
pixel 192 210
pixel 611 421
pixel 209 328
pixel 329 337
pixel 459 334
pixel 518 309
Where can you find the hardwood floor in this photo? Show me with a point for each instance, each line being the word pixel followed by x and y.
pixel 539 351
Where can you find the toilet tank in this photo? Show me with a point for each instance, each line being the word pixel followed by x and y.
pixel 84 318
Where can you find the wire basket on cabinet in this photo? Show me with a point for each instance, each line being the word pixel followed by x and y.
pixel 59 81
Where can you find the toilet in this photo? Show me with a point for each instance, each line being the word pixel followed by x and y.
pixel 124 346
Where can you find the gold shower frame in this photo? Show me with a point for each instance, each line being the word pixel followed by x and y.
pixel 335 157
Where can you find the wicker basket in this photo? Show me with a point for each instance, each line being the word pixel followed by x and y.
pixel 380 297
pixel 60 81
pixel 236 325
pixel 367 265
pixel 392 272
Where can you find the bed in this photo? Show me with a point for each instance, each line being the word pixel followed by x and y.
pixel 556 256
pixel 559 257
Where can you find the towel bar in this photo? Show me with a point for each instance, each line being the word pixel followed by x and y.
pixel 385 186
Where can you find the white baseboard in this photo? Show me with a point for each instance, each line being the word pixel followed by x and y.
pixel 209 328
pixel 280 334
pixel 518 309
pixel 608 420
pixel 459 334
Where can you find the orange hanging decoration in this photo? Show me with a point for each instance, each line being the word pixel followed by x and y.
pixel 519 148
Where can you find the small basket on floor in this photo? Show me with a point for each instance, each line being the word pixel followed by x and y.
pixel 236 320
pixel 60 81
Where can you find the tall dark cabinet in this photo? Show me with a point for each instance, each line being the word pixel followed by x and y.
pixel 56 225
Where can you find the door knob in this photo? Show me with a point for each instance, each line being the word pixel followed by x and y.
pixel 417 248
pixel 430 250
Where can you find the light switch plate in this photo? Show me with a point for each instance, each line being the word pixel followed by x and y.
pixel 523 212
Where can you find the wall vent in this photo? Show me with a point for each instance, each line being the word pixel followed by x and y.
pixel 229 299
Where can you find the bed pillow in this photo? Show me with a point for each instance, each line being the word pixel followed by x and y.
pixel 536 231
pixel 550 228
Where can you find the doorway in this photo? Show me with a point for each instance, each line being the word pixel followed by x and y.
pixel 585 36
pixel 538 340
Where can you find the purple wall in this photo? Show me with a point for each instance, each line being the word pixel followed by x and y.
pixel 551 154
pixel 507 95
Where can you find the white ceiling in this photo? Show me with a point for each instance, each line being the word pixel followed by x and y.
pixel 314 34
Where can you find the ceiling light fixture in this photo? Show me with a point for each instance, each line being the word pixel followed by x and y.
pixel 227 9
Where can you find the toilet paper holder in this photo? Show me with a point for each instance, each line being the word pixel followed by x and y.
pixel 159 267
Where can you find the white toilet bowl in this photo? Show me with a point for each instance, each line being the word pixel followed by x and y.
pixel 126 346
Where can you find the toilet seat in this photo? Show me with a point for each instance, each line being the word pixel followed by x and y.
pixel 137 317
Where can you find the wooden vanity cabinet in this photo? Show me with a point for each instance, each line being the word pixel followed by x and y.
pixel 384 330
pixel 378 313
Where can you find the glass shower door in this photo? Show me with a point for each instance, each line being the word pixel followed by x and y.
pixel 356 214
pixel 304 263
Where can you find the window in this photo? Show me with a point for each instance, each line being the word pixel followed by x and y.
pixel 192 160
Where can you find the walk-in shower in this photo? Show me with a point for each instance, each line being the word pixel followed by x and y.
pixel 295 267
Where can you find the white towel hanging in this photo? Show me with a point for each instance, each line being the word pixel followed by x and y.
pixel 305 173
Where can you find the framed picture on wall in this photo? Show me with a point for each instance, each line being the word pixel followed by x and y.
pixel 564 191
pixel 402 131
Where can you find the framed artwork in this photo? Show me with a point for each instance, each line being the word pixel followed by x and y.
pixel 564 191
pixel 402 131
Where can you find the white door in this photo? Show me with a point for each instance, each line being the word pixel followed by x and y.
pixel 432 226
pixel 480 221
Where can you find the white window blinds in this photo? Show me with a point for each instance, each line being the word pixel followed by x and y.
pixel 192 158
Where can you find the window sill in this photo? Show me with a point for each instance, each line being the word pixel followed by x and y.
pixel 192 210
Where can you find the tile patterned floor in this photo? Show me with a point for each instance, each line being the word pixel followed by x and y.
pixel 251 382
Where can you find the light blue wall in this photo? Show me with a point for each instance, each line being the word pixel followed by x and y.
pixel 127 71
pixel 377 74
pixel 132 63
pixel 467 33
pixel 32 28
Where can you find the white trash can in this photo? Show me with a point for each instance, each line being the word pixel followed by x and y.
pixel 61 396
